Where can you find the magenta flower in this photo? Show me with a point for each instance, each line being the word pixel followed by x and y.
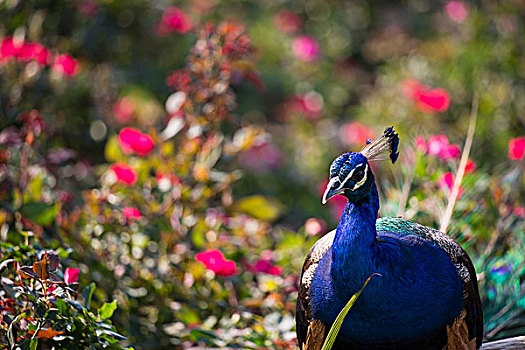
pixel 517 148
pixel 133 141
pixel 456 11
pixel 131 213
pixel 23 51
pixel 265 266
pixel 355 133
pixel 71 275
pixel 214 260
pixel 65 65
pixel 123 110
pixel 286 21
pixel 174 20
pixel 305 48
pixel 124 173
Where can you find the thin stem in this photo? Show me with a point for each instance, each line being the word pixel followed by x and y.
pixel 404 195
pixel 461 167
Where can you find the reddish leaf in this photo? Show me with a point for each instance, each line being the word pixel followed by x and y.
pixel 41 269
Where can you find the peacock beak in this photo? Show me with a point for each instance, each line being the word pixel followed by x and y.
pixel 333 188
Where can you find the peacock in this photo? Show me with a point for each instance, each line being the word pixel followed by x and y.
pixel 424 295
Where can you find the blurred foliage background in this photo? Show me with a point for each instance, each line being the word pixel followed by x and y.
pixel 175 152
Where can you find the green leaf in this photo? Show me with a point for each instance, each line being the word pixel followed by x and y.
pixel 62 307
pixel 334 330
pixel 260 207
pixel 113 152
pixel 87 294
pixel 106 310
pixel 11 337
pixel 40 212
pixel 110 334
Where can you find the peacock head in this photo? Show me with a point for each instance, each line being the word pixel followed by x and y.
pixel 350 173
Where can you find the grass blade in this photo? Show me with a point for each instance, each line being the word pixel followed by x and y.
pixel 336 326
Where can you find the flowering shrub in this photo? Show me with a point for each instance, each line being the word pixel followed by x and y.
pixel 177 161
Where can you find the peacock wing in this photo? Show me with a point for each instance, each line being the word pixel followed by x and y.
pixel 472 317
pixel 311 332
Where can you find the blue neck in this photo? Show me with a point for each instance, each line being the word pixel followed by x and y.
pixel 352 249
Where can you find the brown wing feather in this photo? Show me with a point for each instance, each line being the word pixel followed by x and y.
pixel 310 332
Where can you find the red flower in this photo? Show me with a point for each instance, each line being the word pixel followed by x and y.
pixel 131 213
pixel 174 20
pixel 286 21
pixel 456 11
pixel 305 48
pixel 428 100
pixel 470 166
pixel 65 65
pixel 124 173
pixel 517 148
pixel 71 275
pixel 133 141
pixel 214 260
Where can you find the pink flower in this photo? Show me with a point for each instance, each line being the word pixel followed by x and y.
pixel 456 11
pixel 421 144
pixel 446 182
pixel 131 213
pixel 133 141
pixel 440 147
pixel 314 226
pixel 65 65
pixel 355 133
pixel 428 100
pixel 261 158
pixel 305 48
pixel 286 21
pixel 214 260
pixel 123 110
pixel 517 148
pixel 436 100
pixel 519 212
pixel 71 275
pixel 124 173
pixel 174 20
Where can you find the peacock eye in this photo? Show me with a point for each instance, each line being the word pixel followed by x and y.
pixel 358 175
